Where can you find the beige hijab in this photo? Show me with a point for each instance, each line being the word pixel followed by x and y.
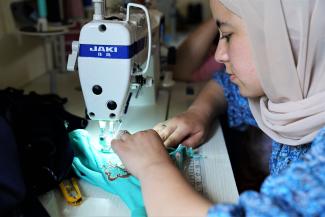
pixel 288 41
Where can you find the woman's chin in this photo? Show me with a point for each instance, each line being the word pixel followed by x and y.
pixel 246 93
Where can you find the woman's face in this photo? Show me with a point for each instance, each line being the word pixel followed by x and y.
pixel 234 51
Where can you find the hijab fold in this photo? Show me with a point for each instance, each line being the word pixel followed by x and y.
pixel 288 44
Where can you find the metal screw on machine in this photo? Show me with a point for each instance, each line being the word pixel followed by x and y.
pixel 111 105
pixel 97 89
pixel 92 114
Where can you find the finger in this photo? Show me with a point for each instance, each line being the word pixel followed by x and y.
pixel 123 135
pixel 117 145
pixel 175 138
pixel 166 132
pixel 193 141
pixel 154 132
pixel 160 127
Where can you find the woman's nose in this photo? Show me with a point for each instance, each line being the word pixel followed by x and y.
pixel 221 54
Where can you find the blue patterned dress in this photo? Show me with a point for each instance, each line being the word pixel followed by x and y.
pixel 296 186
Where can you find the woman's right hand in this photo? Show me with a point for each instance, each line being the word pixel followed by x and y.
pixel 189 128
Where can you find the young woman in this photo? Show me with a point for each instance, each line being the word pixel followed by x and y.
pixel 274 52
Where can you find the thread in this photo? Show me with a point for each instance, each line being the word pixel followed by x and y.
pixel 42 8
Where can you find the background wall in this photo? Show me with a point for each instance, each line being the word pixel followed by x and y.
pixel 182 6
pixel 21 57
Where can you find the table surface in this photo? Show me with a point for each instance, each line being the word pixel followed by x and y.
pixel 215 168
pixel 220 185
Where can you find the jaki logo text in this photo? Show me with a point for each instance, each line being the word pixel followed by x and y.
pixel 107 49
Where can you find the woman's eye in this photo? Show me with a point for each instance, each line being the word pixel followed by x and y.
pixel 225 36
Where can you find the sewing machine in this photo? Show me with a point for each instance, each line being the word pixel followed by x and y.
pixel 118 63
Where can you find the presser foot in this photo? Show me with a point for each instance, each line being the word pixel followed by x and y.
pixel 107 132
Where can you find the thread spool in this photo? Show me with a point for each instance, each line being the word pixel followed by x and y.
pixel 42 8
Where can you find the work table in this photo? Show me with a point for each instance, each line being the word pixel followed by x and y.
pixel 211 175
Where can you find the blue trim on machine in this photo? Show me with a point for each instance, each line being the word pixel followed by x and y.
pixel 112 51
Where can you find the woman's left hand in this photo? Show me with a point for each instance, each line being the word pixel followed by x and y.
pixel 141 151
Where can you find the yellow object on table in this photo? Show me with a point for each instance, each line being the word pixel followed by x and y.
pixel 71 191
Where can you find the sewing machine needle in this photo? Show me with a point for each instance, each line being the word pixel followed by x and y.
pixel 102 128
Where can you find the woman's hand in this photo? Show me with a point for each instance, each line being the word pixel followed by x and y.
pixel 165 190
pixel 189 128
pixel 141 151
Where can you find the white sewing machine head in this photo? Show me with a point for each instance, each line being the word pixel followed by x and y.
pixel 113 56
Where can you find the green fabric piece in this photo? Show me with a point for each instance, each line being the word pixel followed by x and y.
pixel 106 171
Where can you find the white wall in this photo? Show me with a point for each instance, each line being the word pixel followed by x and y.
pixel 21 58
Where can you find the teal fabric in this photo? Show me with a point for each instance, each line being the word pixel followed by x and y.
pixel 181 154
pixel 106 171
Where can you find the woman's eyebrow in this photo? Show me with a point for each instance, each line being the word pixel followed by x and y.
pixel 220 24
